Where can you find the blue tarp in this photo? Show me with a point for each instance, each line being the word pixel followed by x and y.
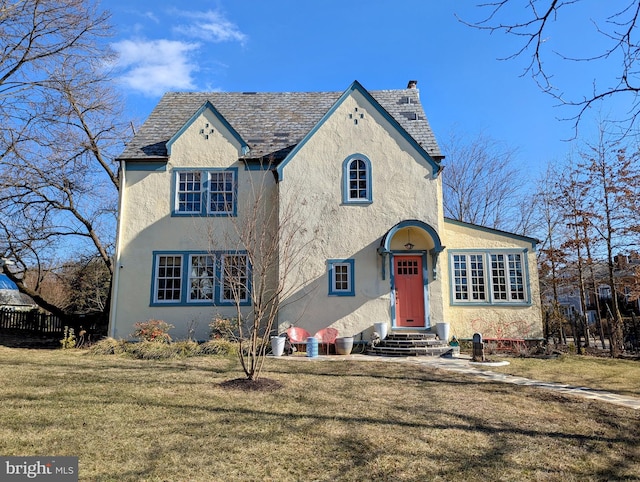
pixel 6 283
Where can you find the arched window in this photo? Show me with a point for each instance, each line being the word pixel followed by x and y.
pixel 357 180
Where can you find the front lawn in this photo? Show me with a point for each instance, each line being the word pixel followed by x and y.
pixel 172 420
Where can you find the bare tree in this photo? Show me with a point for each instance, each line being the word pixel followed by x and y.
pixel 539 26
pixel 261 253
pixel 552 256
pixel 612 178
pixel 481 184
pixel 61 126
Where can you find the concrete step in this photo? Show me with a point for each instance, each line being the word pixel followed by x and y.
pixel 413 351
pixel 411 344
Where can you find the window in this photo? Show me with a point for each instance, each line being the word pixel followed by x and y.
pixel 469 277
pixel 168 279
pixel 234 278
pixel 357 180
pixel 221 190
pixel 488 277
pixel 205 192
pixel 200 278
pixel 604 292
pixel 189 192
pixel 341 276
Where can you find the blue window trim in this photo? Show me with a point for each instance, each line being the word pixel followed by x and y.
pixel 204 207
pixel 184 293
pixel 346 164
pixel 488 281
pixel 331 263
pixel 219 284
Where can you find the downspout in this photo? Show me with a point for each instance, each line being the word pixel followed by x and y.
pixel 116 264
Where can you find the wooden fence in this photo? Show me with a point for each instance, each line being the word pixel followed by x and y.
pixel 36 322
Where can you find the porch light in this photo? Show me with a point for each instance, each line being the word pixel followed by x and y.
pixel 409 245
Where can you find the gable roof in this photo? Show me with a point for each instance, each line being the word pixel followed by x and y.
pixel 356 86
pixel 272 124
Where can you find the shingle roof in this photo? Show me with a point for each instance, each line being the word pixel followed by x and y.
pixel 271 123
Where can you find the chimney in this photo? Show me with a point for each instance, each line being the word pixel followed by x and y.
pixel 412 84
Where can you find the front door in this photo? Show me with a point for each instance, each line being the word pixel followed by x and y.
pixel 409 291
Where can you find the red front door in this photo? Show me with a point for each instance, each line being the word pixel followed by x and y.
pixel 409 290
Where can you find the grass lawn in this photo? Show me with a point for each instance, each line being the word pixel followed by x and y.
pixel 172 420
pixel 618 376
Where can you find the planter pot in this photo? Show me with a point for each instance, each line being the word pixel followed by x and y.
pixel 381 329
pixel 277 345
pixel 442 330
pixel 344 345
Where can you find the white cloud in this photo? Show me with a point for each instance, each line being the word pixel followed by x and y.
pixel 154 67
pixel 210 26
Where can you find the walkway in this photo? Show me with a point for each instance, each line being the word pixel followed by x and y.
pixel 463 364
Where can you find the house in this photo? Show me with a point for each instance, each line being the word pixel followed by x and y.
pixel 11 299
pixel 355 178
pixel 597 289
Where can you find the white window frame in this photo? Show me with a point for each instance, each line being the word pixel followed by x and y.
pixel 469 277
pixel 225 182
pixel 162 279
pixel 243 278
pixel 228 189
pixel 362 175
pixel 483 277
pixel 341 277
pixel 186 192
pixel 202 278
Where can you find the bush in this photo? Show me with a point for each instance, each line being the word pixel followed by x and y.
pixel 109 346
pixel 152 330
pixel 223 328
pixel 220 347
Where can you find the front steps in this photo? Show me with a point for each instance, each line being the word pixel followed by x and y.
pixel 411 344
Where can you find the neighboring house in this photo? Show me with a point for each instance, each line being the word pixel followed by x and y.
pixel 626 274
pixel 11 299
pixel 357 173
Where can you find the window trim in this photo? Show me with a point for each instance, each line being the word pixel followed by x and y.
pixel 185 279
pixel 156 279
pixel 490 300
pixel 331 273
pixel 205 193
pixel 220 285
pixel 346 199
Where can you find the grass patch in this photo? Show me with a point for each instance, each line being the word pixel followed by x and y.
pixel 614 375
pixel 129 419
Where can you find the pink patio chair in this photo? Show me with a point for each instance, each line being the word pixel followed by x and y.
pixel 298 336
pixel 326 336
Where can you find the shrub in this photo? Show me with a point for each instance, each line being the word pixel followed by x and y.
pixel 223 328
pixel 152 330
pixel 219 346
pixel 109 346
pixel 151 350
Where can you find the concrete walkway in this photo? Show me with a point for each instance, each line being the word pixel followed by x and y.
pixel 463 364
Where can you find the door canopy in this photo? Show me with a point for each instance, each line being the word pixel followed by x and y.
pixel 411 235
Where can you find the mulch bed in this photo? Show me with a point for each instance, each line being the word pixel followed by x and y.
pixel 259 385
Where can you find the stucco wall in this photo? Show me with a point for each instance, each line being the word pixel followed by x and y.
pixel 146 226
pixel 491 320
pixel 403 188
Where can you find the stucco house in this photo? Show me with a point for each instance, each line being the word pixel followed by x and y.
pixel 358 176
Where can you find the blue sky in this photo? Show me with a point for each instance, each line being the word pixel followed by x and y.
pixel 293 45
